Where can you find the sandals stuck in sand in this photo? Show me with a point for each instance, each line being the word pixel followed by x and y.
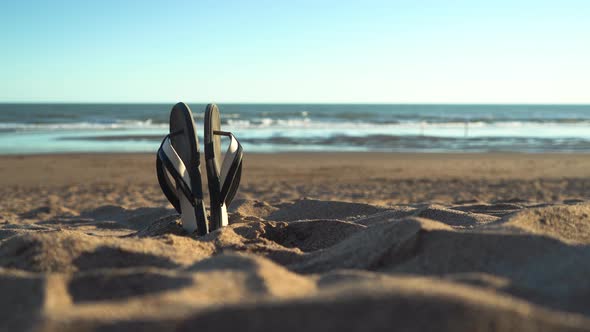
pixel 223 175
pixel 179 172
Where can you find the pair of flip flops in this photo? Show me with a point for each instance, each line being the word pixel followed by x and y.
pixel 178 166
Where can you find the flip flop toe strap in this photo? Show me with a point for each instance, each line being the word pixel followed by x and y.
pixel 230 169
pixel 166 184
pixel 169 159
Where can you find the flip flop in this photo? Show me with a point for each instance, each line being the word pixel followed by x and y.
pixel 178 169
pixel 223 174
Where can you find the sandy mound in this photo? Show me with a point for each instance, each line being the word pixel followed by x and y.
pixel 314 209
pixel 567 223
pixel 303 265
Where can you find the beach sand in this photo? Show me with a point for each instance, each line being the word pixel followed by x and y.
pixel 317 242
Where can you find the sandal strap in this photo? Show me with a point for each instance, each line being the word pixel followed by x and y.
pixel 166 184
pixel 169 158
pixel 231 168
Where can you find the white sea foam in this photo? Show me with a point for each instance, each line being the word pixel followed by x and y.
pixel 266 133
pixel 123 124
pixel 540 129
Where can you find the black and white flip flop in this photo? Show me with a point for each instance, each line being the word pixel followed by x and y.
pixel 178 169
pixel 223 174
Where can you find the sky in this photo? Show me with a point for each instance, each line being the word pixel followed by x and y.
pixel 427 51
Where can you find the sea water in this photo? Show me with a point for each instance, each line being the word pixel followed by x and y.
pixel 57 128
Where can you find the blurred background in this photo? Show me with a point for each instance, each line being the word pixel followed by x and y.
pixel 397 76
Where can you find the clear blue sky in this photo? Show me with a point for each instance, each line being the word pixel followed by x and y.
pixel 427 51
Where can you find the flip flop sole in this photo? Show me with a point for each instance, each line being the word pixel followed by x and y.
pixel 213 163
pixel 223 174
pixel 186 143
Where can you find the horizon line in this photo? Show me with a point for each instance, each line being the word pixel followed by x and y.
pixel 292 103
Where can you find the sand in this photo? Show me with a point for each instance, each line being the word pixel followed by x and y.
pixel 317 242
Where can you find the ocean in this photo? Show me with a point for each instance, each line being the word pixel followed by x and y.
pixel 59 128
